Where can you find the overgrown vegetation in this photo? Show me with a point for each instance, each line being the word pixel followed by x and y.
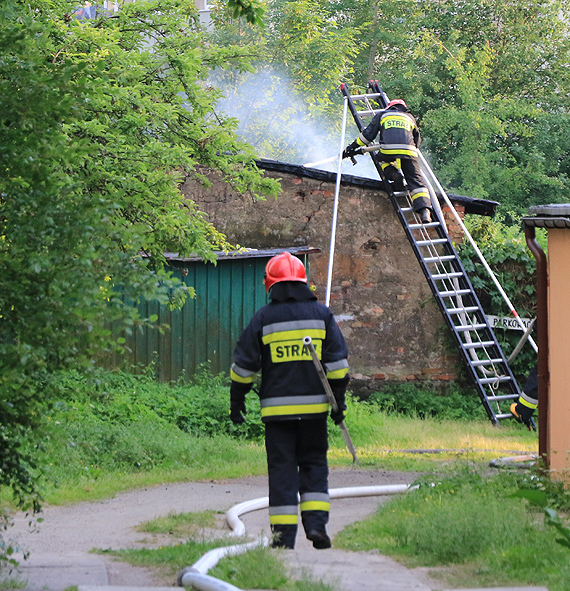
pixel 260 568
pixel 423 400
pixel 476 529
pixel 112 430
pixel 100 122
pixel 504 247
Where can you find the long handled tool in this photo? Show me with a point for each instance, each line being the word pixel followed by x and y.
pixel 308 342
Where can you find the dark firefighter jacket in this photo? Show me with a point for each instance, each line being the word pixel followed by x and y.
pixel 273 343
pixel 399 135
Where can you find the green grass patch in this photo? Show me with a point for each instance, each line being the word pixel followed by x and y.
pixel 180 524
pixel 472 526
pixel 263 568
pixel 115 431
pixel 260 568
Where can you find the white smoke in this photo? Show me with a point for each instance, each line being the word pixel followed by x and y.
pixel 276 120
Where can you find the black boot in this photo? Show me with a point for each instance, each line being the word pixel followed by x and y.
pixel 425 215
pixel 320 539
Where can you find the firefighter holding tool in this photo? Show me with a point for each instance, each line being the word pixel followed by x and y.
pixel 294 405
pixel 399 140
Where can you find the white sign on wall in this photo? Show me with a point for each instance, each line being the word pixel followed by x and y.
pixel 508 322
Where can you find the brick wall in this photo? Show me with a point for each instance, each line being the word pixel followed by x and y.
pixel 379 295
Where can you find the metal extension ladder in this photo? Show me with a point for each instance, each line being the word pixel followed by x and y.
pixel 449 283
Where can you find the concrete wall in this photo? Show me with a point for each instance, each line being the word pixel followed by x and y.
pixel 384 306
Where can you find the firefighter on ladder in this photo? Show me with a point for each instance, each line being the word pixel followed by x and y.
pixel 294 405
pixel 399 141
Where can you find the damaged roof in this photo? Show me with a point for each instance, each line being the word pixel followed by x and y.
pixel 472 205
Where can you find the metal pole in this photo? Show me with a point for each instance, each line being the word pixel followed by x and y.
pixel 335 209
pixel 308 342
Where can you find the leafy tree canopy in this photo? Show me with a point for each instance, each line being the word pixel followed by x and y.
pixel 99 122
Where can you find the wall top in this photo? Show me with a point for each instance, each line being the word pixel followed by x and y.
pixel 554 215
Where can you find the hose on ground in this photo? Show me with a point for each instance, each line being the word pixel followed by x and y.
pixel 195 576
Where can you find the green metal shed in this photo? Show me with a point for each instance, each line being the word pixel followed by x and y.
pixel 206 329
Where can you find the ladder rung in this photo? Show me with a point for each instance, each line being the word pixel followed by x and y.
pixel 440 276
pixel 441 259
pixel 504 416
pixel 478 345
pixel 430 225
pixel 360 97
pixel 406 209
pixel 370 112
pixel 502 397
pixel 401 194
pixel 486 362
pixel 427 242
pixel 461 310
pixel 449 294
pixel 464 327
pixel 493 380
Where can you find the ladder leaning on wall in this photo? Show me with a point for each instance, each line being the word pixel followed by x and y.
pixel 444 272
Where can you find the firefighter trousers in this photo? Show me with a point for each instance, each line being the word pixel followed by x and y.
pixel 298 469
pixel 416 185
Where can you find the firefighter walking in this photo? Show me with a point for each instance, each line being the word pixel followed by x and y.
pixel 399 140
pixel 294 405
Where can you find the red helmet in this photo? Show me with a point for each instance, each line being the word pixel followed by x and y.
pixel 396 102
pixel 284 267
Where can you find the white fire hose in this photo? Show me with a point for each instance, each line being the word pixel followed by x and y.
pixel 195 576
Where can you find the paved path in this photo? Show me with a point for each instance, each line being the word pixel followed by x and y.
pixel 60 546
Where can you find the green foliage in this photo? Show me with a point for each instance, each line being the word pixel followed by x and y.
pixel 504 248
pixel 551 517
pixel 100 121
pixel 288 106
pixel 251 10
pixel 471 521
pixel 424 400
pixel 259 568
pixel 113 418
pixel 179 524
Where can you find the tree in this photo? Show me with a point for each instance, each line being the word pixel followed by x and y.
pixel 100 121
pixel 489 84
pixel 288 105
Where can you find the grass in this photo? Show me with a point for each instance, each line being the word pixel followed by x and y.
pixel 180 524
pixel 472 529
pixel 260 568
pixel 112 432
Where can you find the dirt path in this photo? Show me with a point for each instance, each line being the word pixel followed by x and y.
pixel 60 546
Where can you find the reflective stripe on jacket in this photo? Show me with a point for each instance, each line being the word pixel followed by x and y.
pixel 273 343
pixel 398 134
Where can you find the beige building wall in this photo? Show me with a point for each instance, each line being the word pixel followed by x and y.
pixel 558 432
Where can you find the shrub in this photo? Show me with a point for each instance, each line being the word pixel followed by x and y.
pixel 424 400
pixel 504 247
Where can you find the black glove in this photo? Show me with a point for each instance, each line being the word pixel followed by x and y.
pixel 237 410
pixel 522 414
pixel 351 150
pixel 338 415
pixel 237 402
pixel 338 388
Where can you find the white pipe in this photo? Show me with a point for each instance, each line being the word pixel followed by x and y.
pixel 335 209
pixel 190 578
pixel 232 516
pixel 211 558
pixel 195 575
pixel 476 248
pixel 319 162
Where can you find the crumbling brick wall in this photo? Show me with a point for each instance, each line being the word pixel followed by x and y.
pixel 379 295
